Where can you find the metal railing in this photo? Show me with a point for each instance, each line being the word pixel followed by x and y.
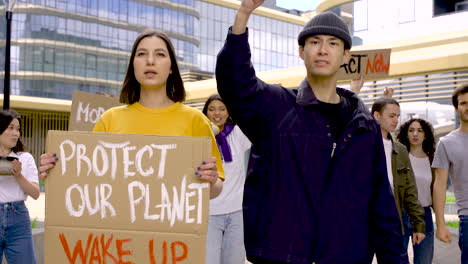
pixel 34 127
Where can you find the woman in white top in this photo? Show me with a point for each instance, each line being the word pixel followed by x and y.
pixel 418 136
pixel 225 239
pixel 19 179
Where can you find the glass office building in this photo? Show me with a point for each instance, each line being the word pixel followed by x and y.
pixel 58 46
pixel 271 40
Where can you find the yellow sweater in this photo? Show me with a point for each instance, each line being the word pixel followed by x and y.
pixel 175 120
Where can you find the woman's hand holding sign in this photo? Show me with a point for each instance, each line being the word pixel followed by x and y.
pixel 47 163
pixel 209 172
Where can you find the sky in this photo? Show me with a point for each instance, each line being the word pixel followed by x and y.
pixel 303 5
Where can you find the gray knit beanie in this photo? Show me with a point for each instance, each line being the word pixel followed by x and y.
pixel 327 24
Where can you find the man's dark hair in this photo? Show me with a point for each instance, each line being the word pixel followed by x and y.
pixel 462 89
pixel 380 104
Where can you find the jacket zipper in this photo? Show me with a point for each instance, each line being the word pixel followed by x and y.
pixel 333 149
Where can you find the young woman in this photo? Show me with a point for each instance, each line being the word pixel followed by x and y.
pixel 418 137
pixel 153 93
pixel 225 239
pixel 18 181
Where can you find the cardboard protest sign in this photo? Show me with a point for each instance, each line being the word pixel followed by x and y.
pixel 369 63
pixel 119 198
pixel 87 108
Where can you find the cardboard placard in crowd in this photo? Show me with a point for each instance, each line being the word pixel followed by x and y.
pixel 369 63
pixel 120 198
pixel 87 108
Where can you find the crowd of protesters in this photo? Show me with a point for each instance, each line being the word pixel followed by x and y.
pixel 286 162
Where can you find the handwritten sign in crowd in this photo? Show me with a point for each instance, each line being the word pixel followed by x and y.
pixel 87 108
pixel 115 198
pixel 369 63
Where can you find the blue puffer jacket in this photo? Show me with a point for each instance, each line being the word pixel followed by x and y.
pixel 308 197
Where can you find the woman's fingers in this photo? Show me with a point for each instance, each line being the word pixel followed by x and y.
pixel 208 170
pixel 48 162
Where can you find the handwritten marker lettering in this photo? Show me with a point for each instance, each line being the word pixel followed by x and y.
pixel 127 161
pixel 377 64
pixel 100 153
pixel 113 147
pixel 96 249
pixel 354 64
pixel 367 63
pixel 88 115
pixel 179 252
pixel 101 203
pixel 138 160
pixel 100 160
pixel 175 208
pixel 162 162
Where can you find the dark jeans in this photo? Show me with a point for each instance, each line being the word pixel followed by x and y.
pixel 463 238
pixel 15 234
pixel 424 252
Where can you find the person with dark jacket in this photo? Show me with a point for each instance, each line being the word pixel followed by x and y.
pixel 317 189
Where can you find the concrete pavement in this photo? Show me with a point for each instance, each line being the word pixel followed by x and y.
pixel 447 253
pixel 36 207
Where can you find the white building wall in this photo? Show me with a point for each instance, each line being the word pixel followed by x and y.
pixel 378 21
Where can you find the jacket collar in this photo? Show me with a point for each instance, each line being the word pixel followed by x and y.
pixel 394 149
pixel 305 96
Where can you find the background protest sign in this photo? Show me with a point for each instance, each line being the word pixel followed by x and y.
pixel 369 63
pixel 120 198
pixel 87 108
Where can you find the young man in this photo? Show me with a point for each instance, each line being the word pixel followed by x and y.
pixel 450 159
pixel 400 173
pixel 317 190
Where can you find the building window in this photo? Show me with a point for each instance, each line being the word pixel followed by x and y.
pixel 360 15
pixel 91 65
pixel 406 11
pixel 49 60
pixel 443 7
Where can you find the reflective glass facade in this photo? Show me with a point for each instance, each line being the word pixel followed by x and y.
pixel 62 45
pixel 273 42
